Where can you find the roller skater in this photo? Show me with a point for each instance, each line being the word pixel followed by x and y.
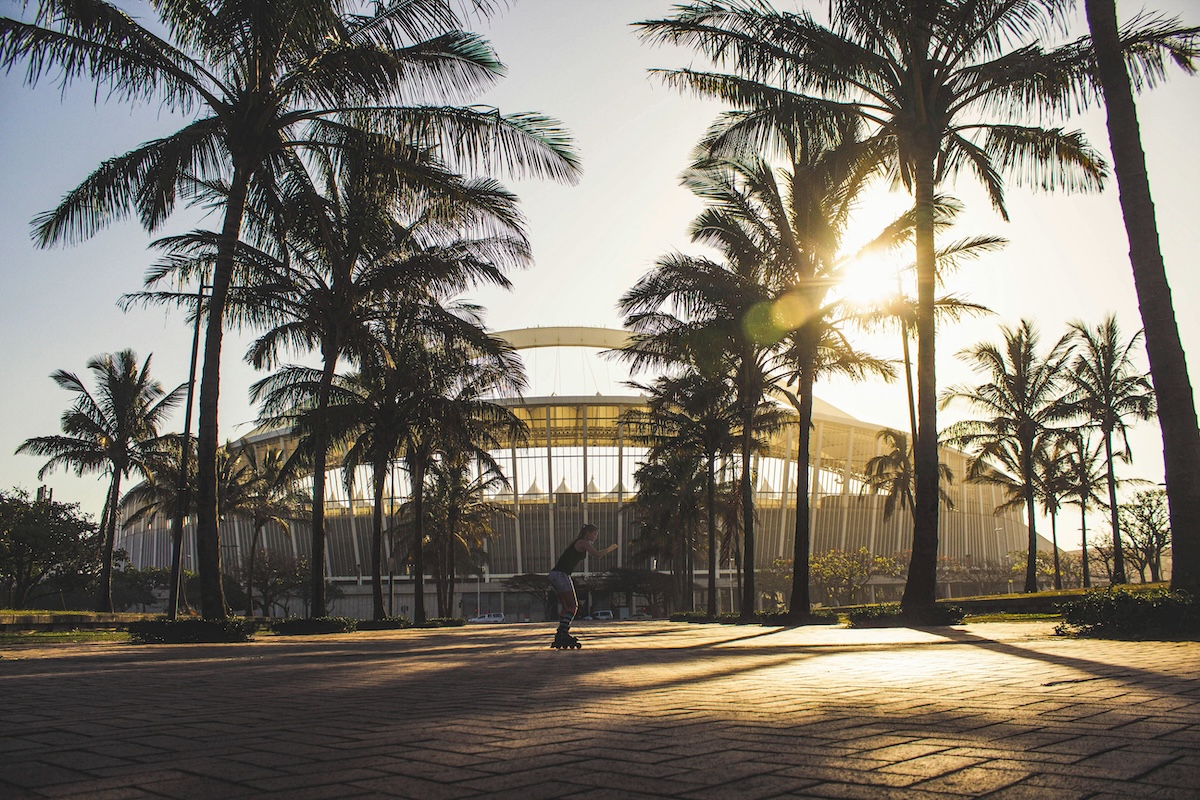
pixel 560 578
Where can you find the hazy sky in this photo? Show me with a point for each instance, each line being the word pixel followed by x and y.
pixel 577 60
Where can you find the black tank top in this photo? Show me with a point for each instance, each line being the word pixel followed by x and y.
pixel 569 560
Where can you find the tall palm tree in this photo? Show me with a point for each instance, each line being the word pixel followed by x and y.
pixel 694 309
pixel 1020 404
pixel 451 411
pixel 366 234
pixel 1168 365
pixel 113 430
pixel 1107 389
pixel 260 83
pixel 792 221
pixel 696 413
pixel 944 86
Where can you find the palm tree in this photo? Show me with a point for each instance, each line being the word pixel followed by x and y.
pixel 891 474
pixel 692 413
pixel 1020 403
pixel 689 309
pixel 1051 485
pixel 945 86
pixel 450 412
pixel 262 83
pixel 262 489
pixel 369 233
pixel 113 430
pixel 791 221
pixel 460 521
pixel 1106 389
pixel 669 512
pixel 1168 365
pixel 1085 480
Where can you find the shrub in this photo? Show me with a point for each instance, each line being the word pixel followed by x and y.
pixel 889 615
pixel 299 626
pixel 385 624
pixel 1124 613
pixel 819 616
pixel 191 631
pixel 689 616
pixel 443 622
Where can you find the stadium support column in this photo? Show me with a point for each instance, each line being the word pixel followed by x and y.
pixel 845 499
pixel 550 484
pixel 583 420
pixel 517 508
pixel 620 492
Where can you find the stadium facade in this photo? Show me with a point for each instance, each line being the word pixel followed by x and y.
pixel 576 466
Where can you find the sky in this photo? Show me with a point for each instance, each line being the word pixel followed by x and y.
pixel 581 62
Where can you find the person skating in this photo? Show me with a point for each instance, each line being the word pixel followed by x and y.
pixel 560 578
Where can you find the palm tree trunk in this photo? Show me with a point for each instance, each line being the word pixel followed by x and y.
pixel 1031 584
pixel 1168 364
pixel 104 603
pixel 418 546
pixel 378 476
pixel 451 562
pixel 250 569
pixel 208 537
pixel 1118 576
pixel 920 590
pixel 712 535
pixel 1054 541
pixel 800 603
pixel 320 445
pixel 747 492
pixel 1087 572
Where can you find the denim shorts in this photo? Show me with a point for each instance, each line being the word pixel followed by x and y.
pixel 561 582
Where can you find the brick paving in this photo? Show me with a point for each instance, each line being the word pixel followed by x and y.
pixel 1002 710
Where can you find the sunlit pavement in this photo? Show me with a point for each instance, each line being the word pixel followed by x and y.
pixel 1003 710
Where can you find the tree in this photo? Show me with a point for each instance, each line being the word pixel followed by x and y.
pixel 41 540
pixel 891 474
pixel 1020 404
pixel 792 220
pixel 460 521
pixel 262 83
pixel 1168 364
pixel 669 507
pixel 1105 390
pixel 840 574
pixel 113 431
pixel 945 86
pixel 1083 484
pixel 369 234
pixel 1146 525
pixel 688 309
pixel 260 488
pixel 537 586
pixel 694 412
pixel 1051 477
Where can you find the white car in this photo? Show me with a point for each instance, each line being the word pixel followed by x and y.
pixel 493 616
pixel 600 615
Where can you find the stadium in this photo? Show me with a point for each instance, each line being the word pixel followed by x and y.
pixel 577 465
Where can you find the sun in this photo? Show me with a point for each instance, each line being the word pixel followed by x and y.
pixel 869 280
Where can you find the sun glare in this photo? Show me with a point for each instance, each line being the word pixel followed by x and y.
pixel 869 280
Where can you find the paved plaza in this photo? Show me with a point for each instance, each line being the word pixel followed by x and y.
pixel 1001 710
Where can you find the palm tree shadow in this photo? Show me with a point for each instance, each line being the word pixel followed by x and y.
pixel 1098 669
